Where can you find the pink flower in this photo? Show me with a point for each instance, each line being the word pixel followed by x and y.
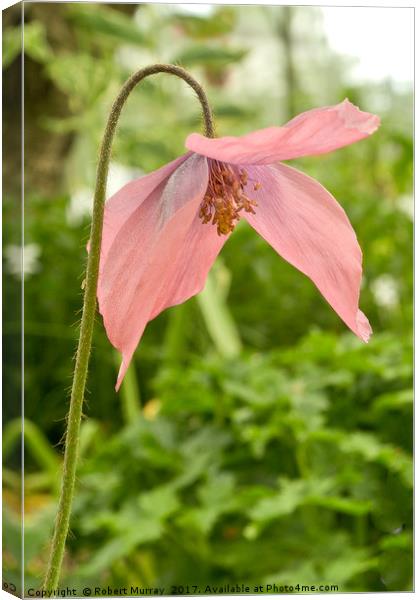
pixel 163 232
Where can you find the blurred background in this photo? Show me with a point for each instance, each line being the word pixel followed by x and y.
pixel 254 440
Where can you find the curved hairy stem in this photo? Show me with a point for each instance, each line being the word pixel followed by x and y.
pixel 89 306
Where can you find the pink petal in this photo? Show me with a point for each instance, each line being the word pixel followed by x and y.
pixel 302 221
pixel 313 132
pixel 159 257
pixel 123 203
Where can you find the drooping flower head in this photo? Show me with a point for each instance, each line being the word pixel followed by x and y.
pixel 163 232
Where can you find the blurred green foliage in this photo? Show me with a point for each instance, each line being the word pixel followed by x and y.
pixel 254 439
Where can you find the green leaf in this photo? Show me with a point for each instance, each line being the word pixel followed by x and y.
pixel 219 321
pixel 148 513
pixel 35 42
pixel 222 21
pixel 368 446
pixel 350 563
pixel 209 56
pixel 80 76
pixel 401 541
pixel 347 506
pixel 400 400
pixel 35 440
pixel 281 504
pixel 108 22
pixel 159 503
pixel 12 44
pixel 120 546
pixel 217 497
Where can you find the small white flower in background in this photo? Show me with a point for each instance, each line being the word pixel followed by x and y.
pixel 81 201
pixel 119 175
pixel 80 206
pixel 30 253
pixel 406 205
pixel 385 290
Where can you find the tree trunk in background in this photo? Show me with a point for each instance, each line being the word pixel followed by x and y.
pixel 285 31
pixel 12 114
pixel 45 151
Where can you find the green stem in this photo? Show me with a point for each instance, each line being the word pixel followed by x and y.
pixel 61 526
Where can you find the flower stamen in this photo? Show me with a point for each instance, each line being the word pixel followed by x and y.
pixel 225 197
